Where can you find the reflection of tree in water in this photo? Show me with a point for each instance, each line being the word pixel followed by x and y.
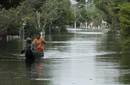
pixel 125 68
pixel 58 38
pixel 38 73
pixel 122 57
pixel 110 42
pixel 126 45
pixel 125 61
pixel 10 48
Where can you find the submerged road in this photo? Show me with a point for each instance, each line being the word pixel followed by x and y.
pixel 81 58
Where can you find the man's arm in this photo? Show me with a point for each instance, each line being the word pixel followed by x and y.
pixel 43 41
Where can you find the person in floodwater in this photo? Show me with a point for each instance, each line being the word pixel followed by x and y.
pixel 29 57
pixel 38 46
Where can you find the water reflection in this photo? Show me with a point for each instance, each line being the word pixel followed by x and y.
pixel 110 42
pixel 34 69
pixel 72 59
pixel 125 68
pixel 114 66
pixel 10 49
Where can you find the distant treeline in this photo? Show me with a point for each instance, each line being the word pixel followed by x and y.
pixel 116 13
pixel 9 3
pixel 35 15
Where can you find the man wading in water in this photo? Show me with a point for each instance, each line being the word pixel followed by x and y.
pixel 38 47
pixel 34 51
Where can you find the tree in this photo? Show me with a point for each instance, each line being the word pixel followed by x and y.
pixel 51 13
pixel 115 13
pixel 10 3
pixel 56 12
pixel 124 18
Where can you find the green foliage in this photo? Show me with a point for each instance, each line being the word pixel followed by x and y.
pixel 7 4
pixel 8 20
pixel 124 13
pixel 126 45
pixel 15 17
pixel 83 15
pixel 36 4
pixel 56 12
pixel 124 18
pixel 116 12
pixel 50 11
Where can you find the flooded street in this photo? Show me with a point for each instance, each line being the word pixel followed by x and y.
pixel 81 58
